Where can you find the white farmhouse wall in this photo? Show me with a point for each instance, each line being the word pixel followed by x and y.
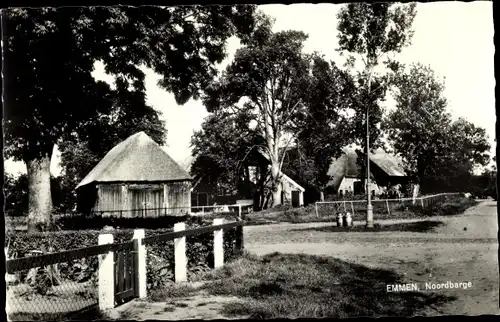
pixel 348 184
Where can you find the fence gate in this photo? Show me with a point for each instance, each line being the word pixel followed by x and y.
pixel 126 273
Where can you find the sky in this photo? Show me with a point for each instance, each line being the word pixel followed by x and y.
pixel 454 38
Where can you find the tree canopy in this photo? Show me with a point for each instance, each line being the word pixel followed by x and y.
pixel 266 79
pixel 439 152
pixel 49 55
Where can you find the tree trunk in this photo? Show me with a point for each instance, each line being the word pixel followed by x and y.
pixel 321 196
pixel 275 184
pixel 40 199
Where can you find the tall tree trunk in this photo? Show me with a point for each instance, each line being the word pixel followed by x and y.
pixel 275 182
pixel 321 195
pixel 40 198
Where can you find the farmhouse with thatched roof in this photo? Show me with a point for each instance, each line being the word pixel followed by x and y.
pixel 136 178
pixel 385 170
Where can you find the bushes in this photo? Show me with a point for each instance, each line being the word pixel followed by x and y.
pixel 451 205
pixel 81 221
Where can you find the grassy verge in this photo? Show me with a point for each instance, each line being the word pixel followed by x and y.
pixel 171 291
pixel 414 227
pixel 89 314
pixel 295 286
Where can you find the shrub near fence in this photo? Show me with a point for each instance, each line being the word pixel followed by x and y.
pixel 130 219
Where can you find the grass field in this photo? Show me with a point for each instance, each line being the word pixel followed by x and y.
pixel 299 285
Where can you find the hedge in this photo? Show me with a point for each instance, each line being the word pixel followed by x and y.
pixel 81 221
pixel 160 259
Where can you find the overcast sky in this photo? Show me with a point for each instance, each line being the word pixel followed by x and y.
pixel 454 38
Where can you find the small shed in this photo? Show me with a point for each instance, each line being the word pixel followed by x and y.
pixel 136 178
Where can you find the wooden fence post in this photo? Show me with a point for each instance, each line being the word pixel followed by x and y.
pixel 352 209
pixel 239 239
pixel 388 209
pixel 422 202
pixel 218 244
pixel 140 264
pixel 316 208
pixel 239 212
pixel 106 276
pixel 180 259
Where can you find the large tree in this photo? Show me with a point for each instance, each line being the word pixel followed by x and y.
pixel 267 78
pixel 325 128
pixel 49 54
pixel 438 152
pixel 371 34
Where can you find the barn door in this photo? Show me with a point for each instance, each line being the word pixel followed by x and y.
pixel 147 202
pixel 295 198
pixel 358 188
pixel 138 200
pixel 154 200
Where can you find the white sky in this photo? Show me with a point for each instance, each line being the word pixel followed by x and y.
pixel 454 38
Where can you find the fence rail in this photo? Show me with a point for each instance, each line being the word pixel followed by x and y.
pixel 113 262
pixel 383 205
pixel 24 263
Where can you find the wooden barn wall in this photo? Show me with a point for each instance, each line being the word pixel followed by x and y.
pixel 138 200
pixel 178 196
pixel 109 198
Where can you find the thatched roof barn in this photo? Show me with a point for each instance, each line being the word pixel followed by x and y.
pixel 136 178
pixel 386 169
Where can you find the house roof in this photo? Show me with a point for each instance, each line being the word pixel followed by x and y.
pixel 345 165
pixel 293 183
pixel 136 159
pixel 389 163
pixel 284 176
pixel 187 163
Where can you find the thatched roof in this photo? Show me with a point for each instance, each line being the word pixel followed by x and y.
pixel 137 159
pixel 389 163
pixel 187 163
pixel 345 166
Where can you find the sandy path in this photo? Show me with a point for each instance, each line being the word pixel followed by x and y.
pixel 200 306
pixel 450 253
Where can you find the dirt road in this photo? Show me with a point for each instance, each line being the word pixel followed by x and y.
pixel 464 249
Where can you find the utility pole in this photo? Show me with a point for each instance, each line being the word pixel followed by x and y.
pixel 369 207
